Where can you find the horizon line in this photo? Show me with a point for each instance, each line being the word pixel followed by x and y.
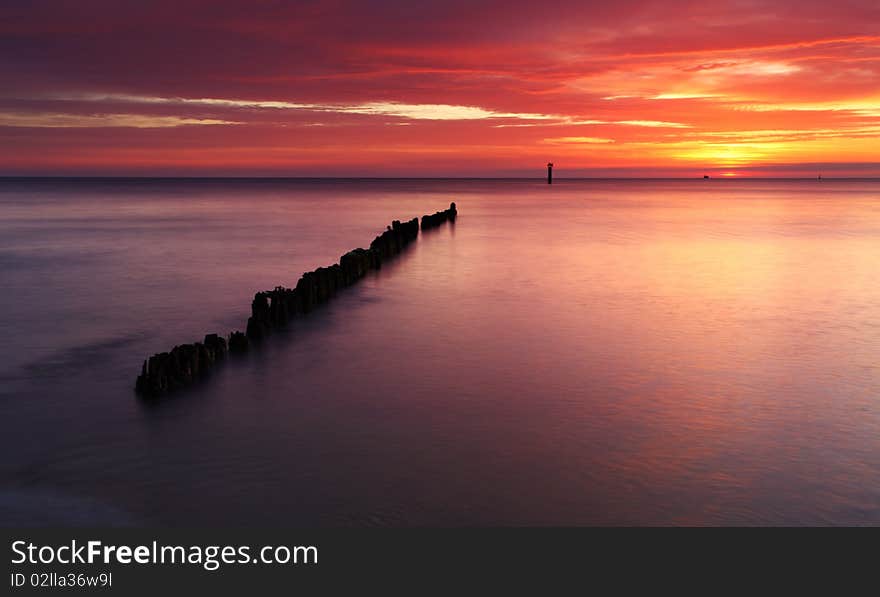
pixel 529 178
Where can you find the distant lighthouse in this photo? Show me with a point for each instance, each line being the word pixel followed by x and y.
pixel 549 172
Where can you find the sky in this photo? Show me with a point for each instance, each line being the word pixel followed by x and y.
pixel 452 88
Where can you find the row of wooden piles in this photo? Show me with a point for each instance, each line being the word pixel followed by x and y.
pixel 272 309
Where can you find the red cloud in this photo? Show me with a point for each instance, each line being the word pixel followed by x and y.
pixel 101 87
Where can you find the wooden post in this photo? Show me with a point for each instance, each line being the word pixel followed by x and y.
pixel 549 172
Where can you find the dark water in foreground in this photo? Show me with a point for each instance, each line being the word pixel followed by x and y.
pixel 598 352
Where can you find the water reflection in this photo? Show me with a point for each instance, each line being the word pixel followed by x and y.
pixel 640 352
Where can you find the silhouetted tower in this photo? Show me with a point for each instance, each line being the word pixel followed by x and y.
pixel 549 172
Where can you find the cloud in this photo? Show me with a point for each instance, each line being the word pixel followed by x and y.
pixel 376 88
pixel 654 124
pixel 432 111
pixel 577 140
pixel 869 107
pixel 386 109
pixel 373 108
pixel 681 96
pixel 139 121
pixel 789 135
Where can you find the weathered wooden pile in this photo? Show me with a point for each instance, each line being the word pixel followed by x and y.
pixel 273 309
pixel 439 218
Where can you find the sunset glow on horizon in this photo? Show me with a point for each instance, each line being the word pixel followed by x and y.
pixel 630 88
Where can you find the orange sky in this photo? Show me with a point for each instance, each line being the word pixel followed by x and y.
pixel 393 88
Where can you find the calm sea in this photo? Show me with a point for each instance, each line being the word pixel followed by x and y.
pixel 595 352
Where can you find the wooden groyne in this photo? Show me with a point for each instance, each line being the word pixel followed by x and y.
pixel 272 309
pixel 439 218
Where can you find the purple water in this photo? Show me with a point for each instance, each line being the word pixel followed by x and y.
pixel 595 352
